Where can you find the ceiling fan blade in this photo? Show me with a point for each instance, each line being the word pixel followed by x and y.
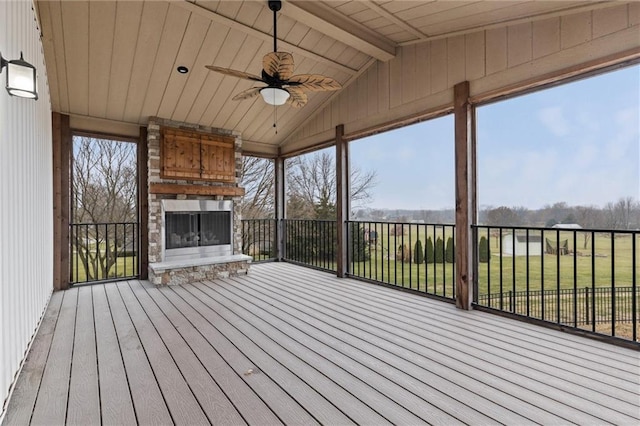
pixel 314 82
pixel 233 73
pixel 278 64
pixel 298 98
pixel 247 94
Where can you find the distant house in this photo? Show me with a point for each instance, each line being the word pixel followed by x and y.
pixel 534 242
pixel 566 226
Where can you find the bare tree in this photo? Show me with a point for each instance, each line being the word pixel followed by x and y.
pixel 505 216
pixel 619 215
pixel 258 180
pixel 104 193
pixel 311 186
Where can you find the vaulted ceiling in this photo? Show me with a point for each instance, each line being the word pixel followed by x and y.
pixel 117 60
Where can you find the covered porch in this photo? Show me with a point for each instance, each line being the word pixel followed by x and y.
pixel 282 344
pixel 291 345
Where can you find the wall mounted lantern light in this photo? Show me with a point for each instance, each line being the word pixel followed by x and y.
pixel 21 78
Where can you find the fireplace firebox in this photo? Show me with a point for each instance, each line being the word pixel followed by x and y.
pixel 197 228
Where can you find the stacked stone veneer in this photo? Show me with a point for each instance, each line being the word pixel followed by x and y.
pixel 161 272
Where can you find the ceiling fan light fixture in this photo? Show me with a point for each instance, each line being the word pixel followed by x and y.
pixel 274 95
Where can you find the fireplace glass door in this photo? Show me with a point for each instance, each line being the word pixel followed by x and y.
pixel 197 229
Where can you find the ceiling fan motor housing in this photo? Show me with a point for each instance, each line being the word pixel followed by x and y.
pixel 275 5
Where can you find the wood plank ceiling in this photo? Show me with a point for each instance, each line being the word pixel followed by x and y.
pixel 117 60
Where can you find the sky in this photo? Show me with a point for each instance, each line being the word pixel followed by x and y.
pixel 577 143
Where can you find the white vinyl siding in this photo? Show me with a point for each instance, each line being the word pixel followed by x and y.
pixel 26 195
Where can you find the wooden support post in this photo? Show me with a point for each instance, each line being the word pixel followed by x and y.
pixel 342 199
pixel 143 205
pixel 280 204
pixel 465 194
pixel 61 138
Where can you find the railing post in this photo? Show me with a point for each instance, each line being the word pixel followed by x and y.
pixel 342 199
pixel 465 194
pixel 279 207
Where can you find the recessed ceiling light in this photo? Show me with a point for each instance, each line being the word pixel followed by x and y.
pixel 182 69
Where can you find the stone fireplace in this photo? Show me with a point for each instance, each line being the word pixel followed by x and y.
pixel 194 199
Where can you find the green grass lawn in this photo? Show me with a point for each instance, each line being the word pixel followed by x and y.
pixel 124 267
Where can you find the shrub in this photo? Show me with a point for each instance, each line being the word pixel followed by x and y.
pixel 418 254
pixel 357 245
pixel 439 251
pixel 428 251
pixel 484 254
pixel 449 254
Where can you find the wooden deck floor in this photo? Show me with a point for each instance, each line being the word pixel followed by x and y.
pixel 297 346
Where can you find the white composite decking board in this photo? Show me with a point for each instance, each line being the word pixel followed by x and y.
pixel 149 404
pixel 291 345
pixel 599 397
pixel 443 364
pixel 266 388
pixel 369 390
pixel 84 399
pixel 20 407
pixel 116 404
pixel 434 389
pixel 51 402
pixel 182 404
pixel 597 355
pixel 264 362
pixel 243 398
pixel 627 408
pixel 212 400
pixel 392 382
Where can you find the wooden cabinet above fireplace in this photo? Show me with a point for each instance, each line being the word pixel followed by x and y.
pixel 197 156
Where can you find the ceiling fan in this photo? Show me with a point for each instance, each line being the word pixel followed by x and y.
pixel 277 73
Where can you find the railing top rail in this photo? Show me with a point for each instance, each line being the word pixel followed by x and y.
pixel 538 228
pixel 384 222
pixel 104 223
pixel 310 220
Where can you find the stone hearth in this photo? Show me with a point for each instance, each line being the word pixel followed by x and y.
pixel 163 270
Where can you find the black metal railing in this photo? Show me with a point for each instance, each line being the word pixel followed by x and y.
pixel 311 242
pixel 414 256
pixel 576 277
pixel 259 239
pixel 103 251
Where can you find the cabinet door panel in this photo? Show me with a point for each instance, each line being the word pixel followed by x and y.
pixel 180 155
pixel 218 158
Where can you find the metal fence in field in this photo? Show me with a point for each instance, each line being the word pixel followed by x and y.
pixel 586 278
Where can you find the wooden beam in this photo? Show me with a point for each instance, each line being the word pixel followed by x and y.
pixel 342 199
pixel 143 204
pixel 393 18
pixel 339 27
pixel 465 195
pixel 61 138
pixel 174 188
pixel 230 23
